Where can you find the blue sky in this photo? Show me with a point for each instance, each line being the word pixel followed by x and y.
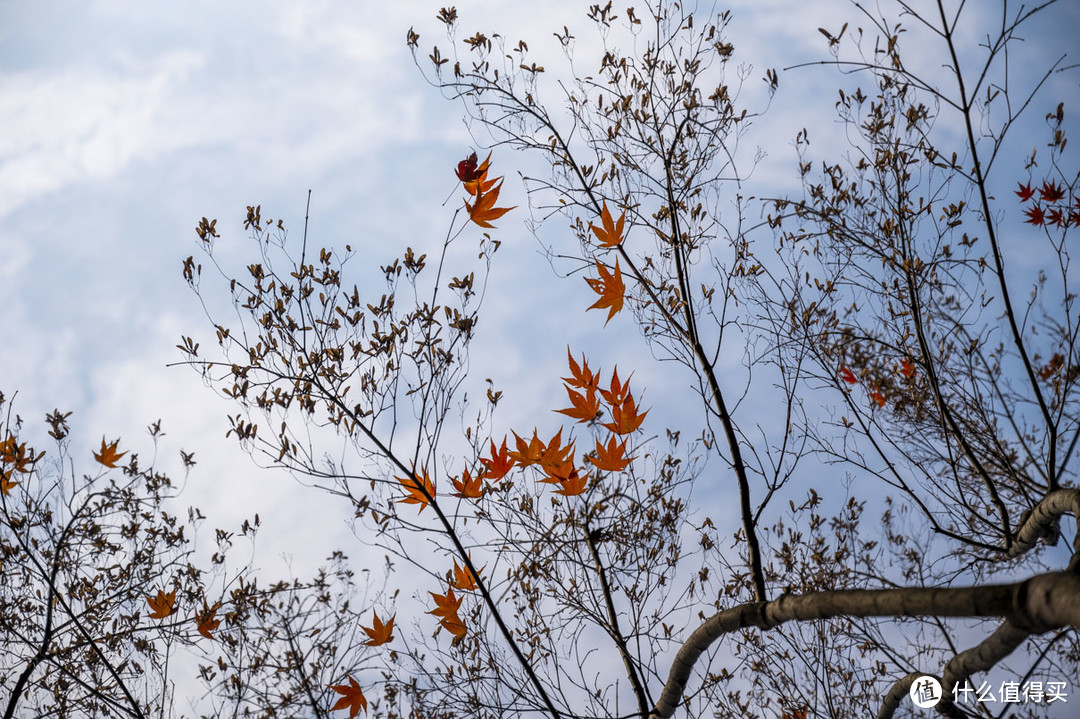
pixel 122 123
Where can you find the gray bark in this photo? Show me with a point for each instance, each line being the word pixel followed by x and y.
pixel 1039 604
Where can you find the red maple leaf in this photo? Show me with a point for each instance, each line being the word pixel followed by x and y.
pixel 421 490
pixel 1025 192
pixel 574 484
pixel 1034 215
pixel 847 375
pixel 1050 192
pixel 474 178
pixel 618 390
pixel 625 418
pixel 465 578
pixel 555 459
pixel 466 169
pixel 527 452
pixel 108 455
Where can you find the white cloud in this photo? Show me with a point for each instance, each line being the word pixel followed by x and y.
pixel 86 124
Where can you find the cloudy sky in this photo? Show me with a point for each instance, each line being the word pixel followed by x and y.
pixel 122 123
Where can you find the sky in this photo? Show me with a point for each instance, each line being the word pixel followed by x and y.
pixel 123 123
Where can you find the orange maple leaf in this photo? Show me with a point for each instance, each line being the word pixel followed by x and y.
pixel 586 406
pixel 610 287
pixel 795 713
pixel 162 604
pixel 624 417
pixel 8 450
pixel 527 452
pixel 465 579
pixel 499 464
pixel 455 626
pixel 379 633
pixel 108 455
pixel 1052 367
pixel 445 604
pixel 468 487
pixel 474 178
pixel 352 698
pixel 16 454
pixel 611 458
pixel 205 621
pixel 617 391
pixel 582 377
pixel 907 368
pixel 484 211
pixel 446 608
pixel 573 485
pixel 421 490
pixel 877 397
pixel 611 234
pixel 557 459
